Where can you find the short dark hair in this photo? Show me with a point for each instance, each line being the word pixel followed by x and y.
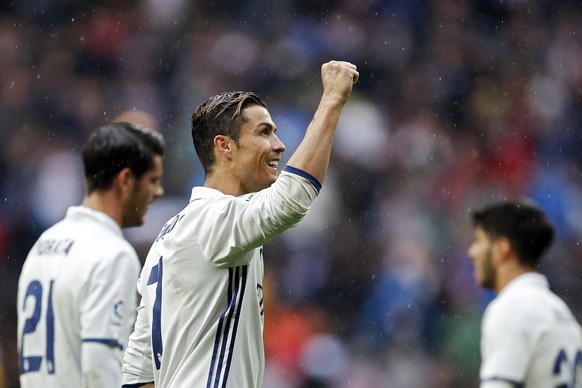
pixel 113 147
pixel 522 222
pixel 219 115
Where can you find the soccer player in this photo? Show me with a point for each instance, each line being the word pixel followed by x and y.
pixel 200 320
pixel 529 336
pixel 76 292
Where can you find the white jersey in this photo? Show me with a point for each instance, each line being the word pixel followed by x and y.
pixel 76 299
pixel 200 320
pixel 530 338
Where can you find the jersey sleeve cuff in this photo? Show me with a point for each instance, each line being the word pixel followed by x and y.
pixel 314 182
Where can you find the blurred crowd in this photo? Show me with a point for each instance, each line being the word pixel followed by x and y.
pixel 459 103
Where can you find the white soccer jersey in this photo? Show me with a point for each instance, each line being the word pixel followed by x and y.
pixel 530 338
pixel 200 321
pixel 75 293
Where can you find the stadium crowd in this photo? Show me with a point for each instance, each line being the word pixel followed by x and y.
pixel 458 103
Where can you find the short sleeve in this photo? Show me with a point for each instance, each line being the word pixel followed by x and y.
pixel 109 301
pixel 505 345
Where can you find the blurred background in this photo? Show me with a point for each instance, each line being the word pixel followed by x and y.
pixel 459 103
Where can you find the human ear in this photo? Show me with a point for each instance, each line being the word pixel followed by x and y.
pixel 223 145
pixel 502 248
pixel 124 179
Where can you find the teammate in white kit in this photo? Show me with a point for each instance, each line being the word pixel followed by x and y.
pixel 200 320
pixel 76 292
pixel 529 336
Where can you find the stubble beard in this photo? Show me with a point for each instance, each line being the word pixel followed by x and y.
pixel 489 274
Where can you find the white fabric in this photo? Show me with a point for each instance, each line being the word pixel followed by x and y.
pixel 529 338
pixel 208 261
pixel 85 270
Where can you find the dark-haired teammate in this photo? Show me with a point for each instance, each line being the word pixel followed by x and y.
pixel 76 292
pixel 200 321
pixel 529 336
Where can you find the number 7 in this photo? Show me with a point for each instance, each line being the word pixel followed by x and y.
pixel 157 347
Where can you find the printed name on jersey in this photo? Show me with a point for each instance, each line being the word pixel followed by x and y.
pixel 54 247
pixel 169 226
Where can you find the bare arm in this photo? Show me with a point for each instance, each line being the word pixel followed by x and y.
pixel 312 155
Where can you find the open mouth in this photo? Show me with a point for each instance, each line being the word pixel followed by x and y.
pixel 273 163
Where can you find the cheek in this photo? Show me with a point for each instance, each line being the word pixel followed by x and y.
pixel 151 194
pixel 145 194
pixel 478 256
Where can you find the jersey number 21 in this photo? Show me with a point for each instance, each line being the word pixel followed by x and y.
pixel 27 364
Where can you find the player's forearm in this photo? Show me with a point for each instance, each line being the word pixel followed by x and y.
pixel 313 154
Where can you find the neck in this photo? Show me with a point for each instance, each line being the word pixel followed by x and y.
pixel 504 277
pixel 105 202
pixel 224 182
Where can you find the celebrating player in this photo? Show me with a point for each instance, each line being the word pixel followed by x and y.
pixel 76 292
pixel 200 320
pixel 529 336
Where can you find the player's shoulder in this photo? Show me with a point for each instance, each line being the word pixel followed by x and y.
pixel 96 237
pixel 208 204
pixel 526 306
pixel 516 299
pixel 205 199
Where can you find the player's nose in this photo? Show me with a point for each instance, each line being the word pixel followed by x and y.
pixel 278 145
pixel 159 192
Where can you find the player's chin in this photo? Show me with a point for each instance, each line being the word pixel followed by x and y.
pixel 483 281
pixel 273 174
pixel 138 219
pixel 141 220
pixel 134 223
pixel 269 177
pixel 142 217
pixel 478 277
